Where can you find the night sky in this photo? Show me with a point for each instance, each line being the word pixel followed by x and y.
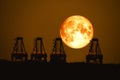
pixel 43 18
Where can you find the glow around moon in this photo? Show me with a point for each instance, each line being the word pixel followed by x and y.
pixel 76 31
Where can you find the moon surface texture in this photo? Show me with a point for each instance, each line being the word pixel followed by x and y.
pixel 76 31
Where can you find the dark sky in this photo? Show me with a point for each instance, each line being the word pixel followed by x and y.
pixel 33 18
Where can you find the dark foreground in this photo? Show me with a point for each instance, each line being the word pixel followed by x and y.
pixel 72 71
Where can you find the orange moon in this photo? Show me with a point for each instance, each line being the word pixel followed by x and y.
pixel 76 31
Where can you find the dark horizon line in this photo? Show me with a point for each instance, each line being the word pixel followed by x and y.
pixel 37 62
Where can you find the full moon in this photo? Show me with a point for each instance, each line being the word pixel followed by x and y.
pixel 76 31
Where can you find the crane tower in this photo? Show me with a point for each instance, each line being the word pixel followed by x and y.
pixel 19 53
pixel 94 56
pixel 58 54
pixel 39 53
